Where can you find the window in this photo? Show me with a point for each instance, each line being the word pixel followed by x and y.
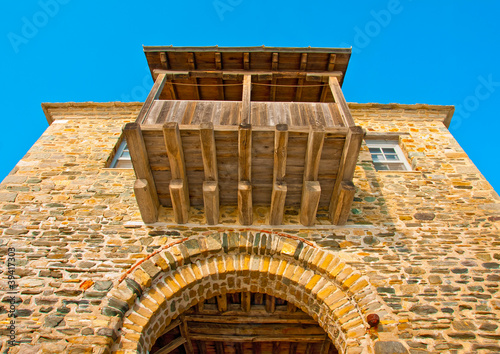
pixel 122 157
pixel 387 155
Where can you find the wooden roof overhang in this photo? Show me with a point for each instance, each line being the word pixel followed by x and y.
pixel 208 153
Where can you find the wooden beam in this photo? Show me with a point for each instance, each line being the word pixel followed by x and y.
pixel 245 210
pixel 164 60
pixel 246 301
pixel 245 113
pixel 343 205
pixel 347 164
pixel 171 89
pixel 220 81
pixel 218 61
pixel 222 302
pixel 313 153
pixel 291 308
pixel 171 326
pixel 252 318
pixel 194 81
pixel 147 205
pixel 211 202
pixel 279 191
pixel 293 348
pixel 238 348
pixel 171 346
pixel 256 347
pixel 142 169
pixel 270 303
pixel 219 347
pixel 211 184
pixel 325 347
pixel 313 338
pixel 179 191
pixel 274 81
pixel 330 67
pixel 303 66
pixel 311 192
pixel 188 345
pixel 341 102
pixel 202 347
pixel 154 94
pixel 309 348
pixel 235 74
pixel 276 347
pixel 200 306
pixel 246 61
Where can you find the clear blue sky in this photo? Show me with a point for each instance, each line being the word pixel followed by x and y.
pixel 406 51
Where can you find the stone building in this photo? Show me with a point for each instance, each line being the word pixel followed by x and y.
pixel 263 214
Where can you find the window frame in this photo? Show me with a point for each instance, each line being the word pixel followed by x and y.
pixel 398 152
pixel 122 148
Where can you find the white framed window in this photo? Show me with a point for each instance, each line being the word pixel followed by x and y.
pixel 387 155
pixel 122 157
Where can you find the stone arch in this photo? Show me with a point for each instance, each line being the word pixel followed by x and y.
pixel 168 282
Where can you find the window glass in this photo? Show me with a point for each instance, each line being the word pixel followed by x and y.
pixel 387 155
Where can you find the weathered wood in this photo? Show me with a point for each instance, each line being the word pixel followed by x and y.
pixel 245 153
pixel 164 60
pixel 256 347
pixel 300 87
pixel 253 317
pixel 238 348
pixel 309 348
pixel 175 152
pixel 200 306
pixel 313 338
pixel 274 80
pixel 270 303
pixel 140 159
pixel 245 115
pixel 347 164
pixel 202 347
pixel 219 347
pixel 235 74
pixel 245 209
pixel 188 345
pixel 276 347
pixel 326 88
pixel 211 202
pixel 208 151
pixel 291 308
pixel 311 192
pixel 343 205
pixel 154 94
pixel 278 198
pixel 313 153
pixel 222 302
pixel 171 326
pixel 147 205
pixel 172 346
pixel 325 347
pixel 246 61
pixel 280 152
pixel 340 100
pixel 246 298
pixel 177 194
pixel 293 348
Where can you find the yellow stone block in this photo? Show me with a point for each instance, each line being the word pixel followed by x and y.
pixel 142 278
pixel 314 280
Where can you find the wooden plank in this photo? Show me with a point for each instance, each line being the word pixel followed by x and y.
pixel 222 302
pixel 311 193
pixel 293 348
pixel 326 88
pixel 171 346
pixel 254 317
pixel 280 152
pixel 171 326
pixel 202 347
pixel 175 152
pixel 303 66
pixel 291 308
pixel 188 345
pixel 256 348
pixel 140 159
pixel 313 153
pixel 245 210
pixel 274 81
pixel 237 74
pixel 309 348
pixel 276 347
pixel 347 164
pixel 246 61
pixel 270 303
pixel 154 94
pixel 147 205
pixel 278 199
pixel 245 115
pixel 325 347
pixel 220 81
pixel 219 347
pixel 194 81
pixel 177 195
pixel 245 153
pixel 343 205
pixel 164 60
pixel 238 348
pixel 294 339
pixel 340 100
pixel 246 301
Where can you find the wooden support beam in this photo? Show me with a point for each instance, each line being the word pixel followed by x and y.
pixel 326 88
pixel 258 298
pixel 255 317
pixel 246 61
pixel 343 206
pixel 164 60
pixel 211 184
pixel 220 81
pixel 293 348
pixel 276 347
pixel 202 347
pixel 311 192
pixel 170 347
pixel 291 308
pixel 325 347
pixel 211 202
pixel 200 306
pixel 312 338
pixel 171 326
pixel 238 74
pixel 246 301
pixel 238 348
pixel 154 94
pixel 147 205
pixel 245 209
pixel 279 191
pixel 245 113
pixel 339 98
pixel 188 345
pixel 313 153
pixel 309 348
pixel 219 347
pixel 222 302
pixel 274 81
pixel 256 348
pixel 179 191
pixel 142 169
pixel 300 82
pixel 347 164
pixel 270 303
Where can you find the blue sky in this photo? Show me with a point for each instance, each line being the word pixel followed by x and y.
pixel 405 51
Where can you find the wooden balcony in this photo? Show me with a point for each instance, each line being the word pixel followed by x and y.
pixel 244 153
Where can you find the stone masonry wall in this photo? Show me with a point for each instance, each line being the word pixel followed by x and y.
pixel 428 240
